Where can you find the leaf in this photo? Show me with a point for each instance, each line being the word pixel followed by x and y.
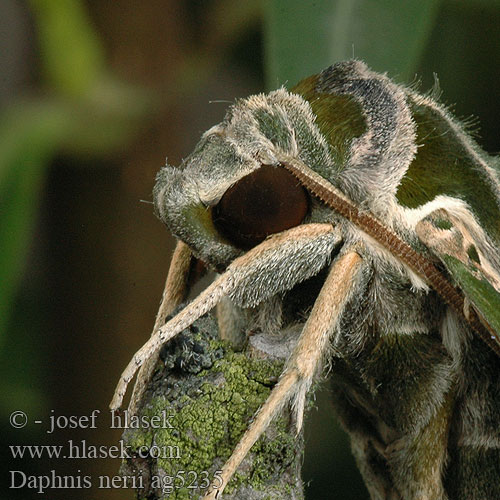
pixel 28 137
pixel 90 112
pixel 302 38
pixel 72 57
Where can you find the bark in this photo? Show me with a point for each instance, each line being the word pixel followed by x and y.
pixel 204 395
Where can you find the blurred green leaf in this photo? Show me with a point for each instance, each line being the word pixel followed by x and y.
pixel 302 38
pixel 28 136
pixel 106 119
pixel 72 58
pixel 31 133
pixel 478 3
pixel 87 112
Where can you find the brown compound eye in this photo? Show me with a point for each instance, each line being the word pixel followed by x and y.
pixel 264 202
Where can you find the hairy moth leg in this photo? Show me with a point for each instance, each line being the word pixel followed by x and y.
pixel 231 322
pixel 202 304
pixel 174 293
pixel 316 241
pixel 303 363
pixel 176 284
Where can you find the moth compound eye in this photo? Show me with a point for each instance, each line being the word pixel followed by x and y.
pixel 264 202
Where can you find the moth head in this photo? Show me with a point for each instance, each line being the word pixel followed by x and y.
pixel 348 124
pixel 232 191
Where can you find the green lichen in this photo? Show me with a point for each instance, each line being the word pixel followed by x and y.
pixel 210 412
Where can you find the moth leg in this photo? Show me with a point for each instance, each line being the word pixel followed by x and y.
pixel 174 293
pixel 303 363
pixel 232 323
pixel 239 283
pixel 202 304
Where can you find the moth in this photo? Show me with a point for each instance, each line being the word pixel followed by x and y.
pixel 377 198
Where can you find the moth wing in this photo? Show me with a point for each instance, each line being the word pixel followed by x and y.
pixel 471 260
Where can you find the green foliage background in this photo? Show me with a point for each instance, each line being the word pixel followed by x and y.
pixel 94 95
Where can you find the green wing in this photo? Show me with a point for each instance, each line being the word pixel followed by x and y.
pixel 478 290
pixel 471 261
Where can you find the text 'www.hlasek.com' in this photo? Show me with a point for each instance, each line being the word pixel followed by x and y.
pixel 79 450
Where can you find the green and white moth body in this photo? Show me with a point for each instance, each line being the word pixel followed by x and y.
pixel 377 198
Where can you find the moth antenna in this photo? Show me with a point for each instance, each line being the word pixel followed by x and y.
pixel 174 293
pixel 417 262
pixel 303 363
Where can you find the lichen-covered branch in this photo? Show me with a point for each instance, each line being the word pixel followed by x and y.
pixel 201 400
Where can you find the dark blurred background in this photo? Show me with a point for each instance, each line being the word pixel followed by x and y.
pixel 93 96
